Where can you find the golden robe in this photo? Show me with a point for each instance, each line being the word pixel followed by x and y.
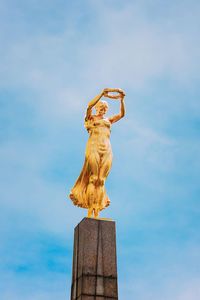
pixel 98 162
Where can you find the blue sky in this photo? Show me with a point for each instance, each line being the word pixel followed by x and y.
pixel 55 57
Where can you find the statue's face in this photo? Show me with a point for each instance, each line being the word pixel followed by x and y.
pixel 101 110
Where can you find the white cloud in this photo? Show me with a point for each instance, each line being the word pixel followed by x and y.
pixel 169 271
pixel 52 286
pixel 131 49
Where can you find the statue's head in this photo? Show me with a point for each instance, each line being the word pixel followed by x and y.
pixel 101 107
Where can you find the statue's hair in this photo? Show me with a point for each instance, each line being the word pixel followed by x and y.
pixel 100 103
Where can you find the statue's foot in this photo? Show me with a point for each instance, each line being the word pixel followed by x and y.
pixel 90 212
pixel 96 213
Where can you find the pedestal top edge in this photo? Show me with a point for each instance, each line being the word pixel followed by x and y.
pixel 95 220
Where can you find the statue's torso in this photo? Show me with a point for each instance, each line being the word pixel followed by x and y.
pixel 99 130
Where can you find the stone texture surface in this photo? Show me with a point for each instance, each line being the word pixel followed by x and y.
pixel 94 271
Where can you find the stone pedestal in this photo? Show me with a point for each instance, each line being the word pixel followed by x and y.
pixel 94 272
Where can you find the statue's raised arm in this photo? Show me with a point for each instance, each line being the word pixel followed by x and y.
pixel 92 103
pixel 89 189
pixel 120 96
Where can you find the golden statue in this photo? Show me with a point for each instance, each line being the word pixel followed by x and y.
pixel 89 190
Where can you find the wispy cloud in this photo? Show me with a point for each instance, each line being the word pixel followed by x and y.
pixel 130 50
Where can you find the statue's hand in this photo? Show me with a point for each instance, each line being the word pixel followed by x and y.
pixel 121 92
pixel 105 94
pixel 106 91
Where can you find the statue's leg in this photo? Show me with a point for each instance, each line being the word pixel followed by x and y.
pixel 93 167
pixel 106 163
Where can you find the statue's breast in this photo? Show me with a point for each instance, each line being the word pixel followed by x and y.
pixel 94 124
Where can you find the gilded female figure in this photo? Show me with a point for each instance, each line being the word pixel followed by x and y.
pixel 89 189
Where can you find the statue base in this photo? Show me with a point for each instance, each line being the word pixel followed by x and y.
pixel 94 272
